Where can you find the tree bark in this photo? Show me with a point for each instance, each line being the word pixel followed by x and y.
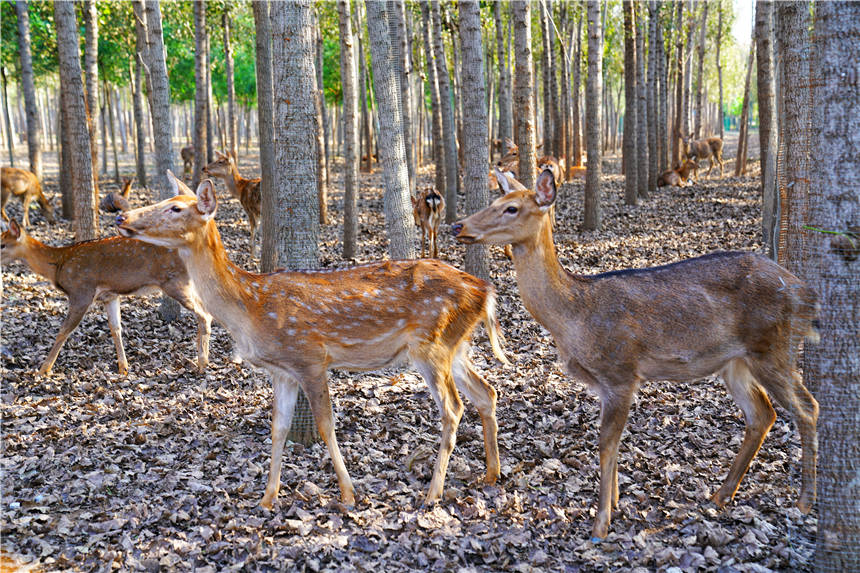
pixel 663 123
pixel 642 104
pixel 76 136
pixel 631 124
pixel 835 363
pixel 505 112
pixel 34 132
pixel 700 54
pixel 741 160
pixel 767 122
pixel 593 217
pixel 366 119
pixel 270 254
pixel 201 94
pixel 577 81
pixel 435 104
pixel 320 130
pixel 392 150
pixel 720 66
pixel 475 177
pixel 110 118
pixel 679 87
pixel 9 140
pixel 397 20
pixel 139 127
pixel 523 94
pixel 653 142
pixel 91 54
pixel 452 165
pixel 231 89
pixel 546 80
pixel 350 130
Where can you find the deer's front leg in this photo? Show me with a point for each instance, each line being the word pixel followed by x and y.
pixel 115 322
pixel 613 417
pixel 285 392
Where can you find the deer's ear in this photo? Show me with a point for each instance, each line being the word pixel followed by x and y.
pixel 504 184
pixel 206 201
pixel 545 189
pixel 176 185
pixel 14 229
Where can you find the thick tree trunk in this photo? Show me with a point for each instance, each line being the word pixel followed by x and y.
pixel 592 219
pixel 231 90
pixel 270 252
pixel 767 122
pixel 91 54
pixel 34 132
pixel 452 166
pixel 642 104
pixel 700 55
pixel 475 178
pixel 350 130
pixel 741 160
pixel 631 124
pixel 436 105
pixel 835 363
pixel 523 94
pixel 201 94
pixel 76 136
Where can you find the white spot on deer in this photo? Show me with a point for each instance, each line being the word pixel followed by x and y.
pixel 291 332
pixel 451 291
pixel 438 299
pixel 293 319
pixel 272 315
pixel 415 287
pixel 283 292
pixel 401 323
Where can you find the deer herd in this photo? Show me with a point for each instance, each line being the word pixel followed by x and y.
pixel 734 313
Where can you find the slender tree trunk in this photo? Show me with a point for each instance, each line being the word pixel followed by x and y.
pixel 110 117
pixel 720 65
pixel 523 94
pixel 320 130
pixel 201 94
pixel 366 119
pixel 452 176
pixel 546 80
pixel 641 102
pixel 9 141
pixel 767 122
pixel 392 150
pixel 76 135
pixel 741 160
pixel 663 123
pixel 34 132
pixel 653 142
pixel 700 55
pixel 505 113
pixel 435 103
pixel 399 47
pixel 631 107
pixel 140 129
pixel 91 54
pixel 593 217
pixel 577 83
pixel 835 363
pixel 475 178
pixel 679 88
pixel 120 118
pixel 566 116
pixel 231 90
pixel 270 253
pixel 350 130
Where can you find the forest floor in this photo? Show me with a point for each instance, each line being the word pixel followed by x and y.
pixel 164 469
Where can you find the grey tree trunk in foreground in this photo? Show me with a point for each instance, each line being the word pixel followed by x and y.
pixel 350 130
pixel 34 129
pixel 270 256
pixel 524 103
pixel 631 174
pixel 593 217
pixel 767 122
pixel 392 150
pixel 642 150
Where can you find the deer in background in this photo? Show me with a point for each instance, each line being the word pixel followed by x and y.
pixel 737 313
pixel 105 269
pixel 428 209
pixel 113 201
pixel 678 177
pixel 187 154
pixel 247 191
pixel 710 149
pixel 25 185
pixel 298 325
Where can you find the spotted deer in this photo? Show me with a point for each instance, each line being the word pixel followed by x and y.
pixel 247 191
pixel 298 325
pixel 187 154
pixel 104 270
pixel 25 185
pixel 428 208
pixel 737 313
pixel 117 201
pixel 678 177
pixel 710 149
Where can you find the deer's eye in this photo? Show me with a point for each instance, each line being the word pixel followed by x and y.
pixel 176 209
pixel 511 209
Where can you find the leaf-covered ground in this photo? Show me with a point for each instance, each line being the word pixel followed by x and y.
pixel 164 469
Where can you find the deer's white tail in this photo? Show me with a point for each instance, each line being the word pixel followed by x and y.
pixel 497 339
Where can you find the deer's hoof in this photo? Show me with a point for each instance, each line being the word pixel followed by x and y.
pixel 720 499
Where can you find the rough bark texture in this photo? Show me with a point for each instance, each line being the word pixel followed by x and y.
pixel 835 363
pixel 435 104
pixel 9 136
pixel 700 56
pixel 546 80
pixel 592 218
pixel 350 130
pixel 475 178
pixel 663 105
pixel 720 66
pixel 320 129
pixel 577 81
pixel 653 142
pixel 396 13
pixel 231 90
pixel 270 221
pixel 741 160
pixel 631 174
pixel 452 166
pixel 140 127
pixel 642 104
pixel 76 137
pixel 34 131
pixel 201 93
pixel 767 122
pixel 366 118
pixel 392 151
pixel 524 93
pixel 679 88
pixel 91 71
pixel 505 112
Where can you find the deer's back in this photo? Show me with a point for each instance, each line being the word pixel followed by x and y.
pixel 250 197
pixel 18 181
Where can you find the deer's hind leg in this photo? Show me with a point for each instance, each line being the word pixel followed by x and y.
pixel 285 390
pixel 78 306
pixel 483 396
pixel 115 323
pixel 759 416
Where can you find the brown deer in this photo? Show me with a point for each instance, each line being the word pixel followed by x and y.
pixel 24 184
pixel 737 313
pixel 187 154
pixel 247 191
pixel 710 149
pixel 298 325
pixel 104 270
pixel 428 209
pixel 113 201
pixel 678 177
pixel 556 166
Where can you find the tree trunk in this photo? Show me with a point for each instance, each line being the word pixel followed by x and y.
pixel 139 127
pixel 320 130
pixel 231 90
pixel 452 166
pixel 366 120
pixel 475 177
pixel 663 123
pixel 392 150
pixel 835 363
pixel 741 160
pixel 679 88
pixel 767 122
pixel 653 142
pixel 435 103
pixel 9 141
pixel 350 130
pixel 64 161
pixel 546 80
pixel 577 81
pixel 76 137
pixel 700 54
pixel 631 124
pixel 720 65
pixel 91 54
pixel 566 117
pixel 270 223
pixel 110 118
pixel 592 219
pixel 34 132
pixel 200 92
pixel 523 93
pixel 505 113
pixel 642 103
pixel 402 69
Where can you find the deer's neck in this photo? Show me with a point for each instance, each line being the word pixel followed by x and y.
pixel 43 259
pixel 549 292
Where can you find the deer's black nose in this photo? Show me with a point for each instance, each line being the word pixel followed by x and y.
pixel 456 228
pixel 120 219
